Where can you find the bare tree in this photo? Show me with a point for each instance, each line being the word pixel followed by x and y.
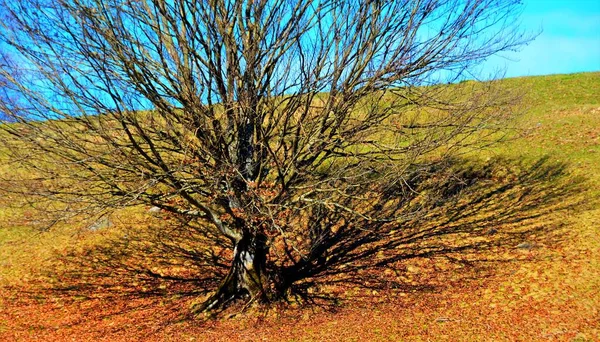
pixel 245 119
pixel 5 91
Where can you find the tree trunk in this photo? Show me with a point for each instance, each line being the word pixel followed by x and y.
pixel 246 277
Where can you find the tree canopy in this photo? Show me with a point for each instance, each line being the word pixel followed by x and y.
pixel 280 130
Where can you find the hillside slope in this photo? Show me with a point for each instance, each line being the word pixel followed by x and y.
pixel 545 286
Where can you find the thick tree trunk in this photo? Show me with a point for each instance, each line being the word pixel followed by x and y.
pixel 246 277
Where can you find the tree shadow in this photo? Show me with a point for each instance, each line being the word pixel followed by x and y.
pixel 461 220
pixel 455 221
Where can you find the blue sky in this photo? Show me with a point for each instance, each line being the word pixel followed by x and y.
pixel 569 40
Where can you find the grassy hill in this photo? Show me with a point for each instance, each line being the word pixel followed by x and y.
pixel 545 285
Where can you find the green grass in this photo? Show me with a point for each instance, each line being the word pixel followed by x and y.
pixel 562 117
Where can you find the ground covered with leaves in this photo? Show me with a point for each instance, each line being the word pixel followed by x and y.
pixel 514 255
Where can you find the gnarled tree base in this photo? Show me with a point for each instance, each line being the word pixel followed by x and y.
pixel 246 277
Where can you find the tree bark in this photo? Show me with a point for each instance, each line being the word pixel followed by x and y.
pixel 247 275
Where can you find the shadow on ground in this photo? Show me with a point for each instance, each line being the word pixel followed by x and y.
pixel 458 221
pixel 463 221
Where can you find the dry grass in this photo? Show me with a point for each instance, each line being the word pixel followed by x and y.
pixel 547 290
